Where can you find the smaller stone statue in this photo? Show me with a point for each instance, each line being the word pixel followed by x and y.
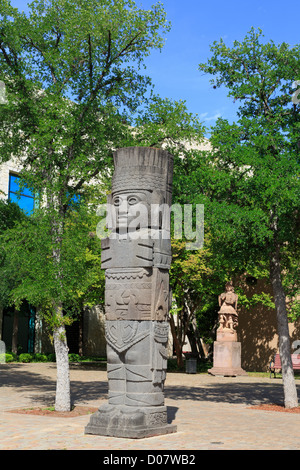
pixel 228 316
pixel 227 349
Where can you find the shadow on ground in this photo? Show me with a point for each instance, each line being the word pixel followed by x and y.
pixel 232 393
pixel 41 388
pixel 34 385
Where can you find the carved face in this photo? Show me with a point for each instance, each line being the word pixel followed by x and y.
pixel 132 209
pixel 229 288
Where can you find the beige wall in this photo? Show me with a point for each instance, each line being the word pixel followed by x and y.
pixel 5 169
pixel 94 343
pixel 257 332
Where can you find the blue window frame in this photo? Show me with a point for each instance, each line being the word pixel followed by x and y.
pixel 24 198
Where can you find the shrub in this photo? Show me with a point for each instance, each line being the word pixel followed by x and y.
pixel 25 357
pixel 9 357
pixel 51 357
pixel 74 357
pixel 40 357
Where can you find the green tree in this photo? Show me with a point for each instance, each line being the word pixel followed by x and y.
pixel 27 248
pixel 10 215
pixel 71 69
pixel 252 178
pixel 195 280
pixel 166 123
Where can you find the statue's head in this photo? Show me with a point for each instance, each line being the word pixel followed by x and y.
pixel 141 181
pixel 229 287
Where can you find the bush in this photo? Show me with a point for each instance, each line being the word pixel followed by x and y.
pixel 40 357
pixel 9 357
pixel 25 357
pixel 51 357
pixel 74 357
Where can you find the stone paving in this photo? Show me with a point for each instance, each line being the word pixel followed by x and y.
pixel 211 413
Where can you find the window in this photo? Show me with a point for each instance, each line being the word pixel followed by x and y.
pixel 24 198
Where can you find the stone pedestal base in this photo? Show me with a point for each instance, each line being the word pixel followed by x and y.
pixel 227 359
pixel 129 422
pixel 225 334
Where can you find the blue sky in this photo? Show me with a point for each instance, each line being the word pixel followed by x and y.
pixel 196 24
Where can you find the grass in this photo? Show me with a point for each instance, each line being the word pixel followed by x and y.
pixel 37 357
pixel 267 374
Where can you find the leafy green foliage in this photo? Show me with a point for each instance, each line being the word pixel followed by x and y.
pixel 253 169
pixel 10 215
pixel 257 162
pixel 168 123
pixel 29 257
pixel 72 75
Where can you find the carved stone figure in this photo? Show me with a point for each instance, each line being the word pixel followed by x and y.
pixel 228 316
pixel 136 257
pixel 227 349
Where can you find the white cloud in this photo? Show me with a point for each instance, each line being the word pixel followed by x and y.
pixel 206 118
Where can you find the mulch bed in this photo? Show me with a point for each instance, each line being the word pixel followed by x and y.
pixel 274 407
pixel 84 410
pixel 41 411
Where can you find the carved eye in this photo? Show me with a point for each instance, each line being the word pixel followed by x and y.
pixel 117 201
pixel 133 200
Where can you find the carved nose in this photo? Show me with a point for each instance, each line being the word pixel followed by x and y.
pixel 123 207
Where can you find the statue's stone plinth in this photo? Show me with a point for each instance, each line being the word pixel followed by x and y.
pixel 130 422
pixel 227 359
pixel 226 335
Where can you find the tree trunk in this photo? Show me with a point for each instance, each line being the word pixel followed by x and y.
pixel 63 387
pixel 14 343
pixel 177 346
pixel 63 393
pixel 289 386
pixel 196 341
pixel 80 340
pixel 1 320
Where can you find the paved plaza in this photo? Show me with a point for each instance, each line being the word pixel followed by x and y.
pixel 211 413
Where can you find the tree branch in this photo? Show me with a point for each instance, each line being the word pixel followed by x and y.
pixel 51 68
pixel 90 61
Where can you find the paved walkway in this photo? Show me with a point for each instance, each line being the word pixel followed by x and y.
pixel 210 413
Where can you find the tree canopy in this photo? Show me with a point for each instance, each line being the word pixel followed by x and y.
pixel 252 183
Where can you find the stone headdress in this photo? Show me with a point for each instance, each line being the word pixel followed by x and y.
pixel 138 168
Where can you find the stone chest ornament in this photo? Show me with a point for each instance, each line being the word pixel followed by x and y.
pixel 136 258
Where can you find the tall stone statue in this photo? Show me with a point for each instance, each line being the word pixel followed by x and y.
pixel 228 316
pixel 136 258
pixel 227 349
